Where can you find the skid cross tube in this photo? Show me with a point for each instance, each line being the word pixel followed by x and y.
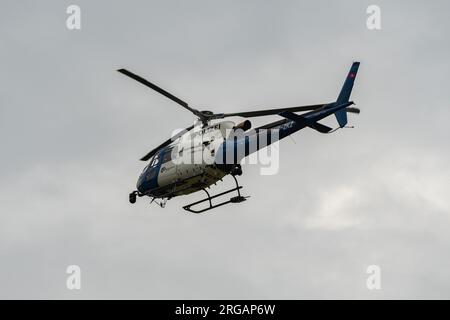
pixel 235 199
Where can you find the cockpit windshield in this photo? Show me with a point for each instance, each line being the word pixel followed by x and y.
pixel 155 161
pixel 145 169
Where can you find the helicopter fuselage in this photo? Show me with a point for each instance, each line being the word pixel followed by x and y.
pixel 202 154
pixel 187 165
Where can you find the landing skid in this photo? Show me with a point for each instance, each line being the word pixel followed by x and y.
pixel 236 199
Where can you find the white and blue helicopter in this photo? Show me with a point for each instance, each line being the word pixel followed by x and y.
pixel 204 153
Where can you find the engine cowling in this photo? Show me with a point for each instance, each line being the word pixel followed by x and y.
pixel 244 126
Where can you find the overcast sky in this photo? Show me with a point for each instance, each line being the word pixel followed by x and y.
pixel 72 132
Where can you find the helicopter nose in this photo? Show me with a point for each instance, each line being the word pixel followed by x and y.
pixel 140 184
pixel 147 181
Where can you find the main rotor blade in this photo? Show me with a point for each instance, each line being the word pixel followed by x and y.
pixel 166 143
pixel 260 113
pixel 159 90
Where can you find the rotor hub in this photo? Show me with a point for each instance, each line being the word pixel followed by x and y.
pixel 207 113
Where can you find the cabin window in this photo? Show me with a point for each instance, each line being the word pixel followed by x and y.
pixel 167 156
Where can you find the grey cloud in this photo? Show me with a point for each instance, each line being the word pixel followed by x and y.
pixel 72 131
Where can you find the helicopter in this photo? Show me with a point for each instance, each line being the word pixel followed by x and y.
pixel 204 153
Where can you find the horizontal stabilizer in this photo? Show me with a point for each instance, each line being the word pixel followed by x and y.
pixel 321 127
pixel 306 122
